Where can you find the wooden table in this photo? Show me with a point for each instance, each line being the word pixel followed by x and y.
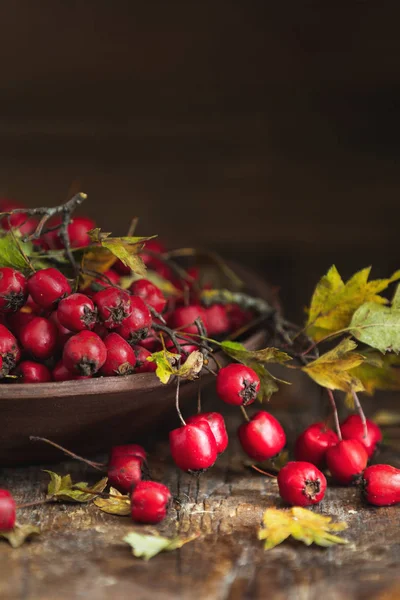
pixel 80 553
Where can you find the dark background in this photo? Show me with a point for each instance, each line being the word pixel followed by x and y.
pixel 267 130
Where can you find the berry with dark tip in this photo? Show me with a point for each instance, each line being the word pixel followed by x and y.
pixel 238 384
pixel 13 290
pixel 381 485
pixel 137 325
pixel 114 306
pixel 9 350
pixel 77 312
pixel 121 358
pixel 47 287
pixel 346 461
pixel 84 353
pixel 301 484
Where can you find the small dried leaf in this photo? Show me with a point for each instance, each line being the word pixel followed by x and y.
pixel 17 536
pixel 62 488
pixel 192 367
pixel 118 504
pixel 146 546
pixel 267 355
pixel 166 364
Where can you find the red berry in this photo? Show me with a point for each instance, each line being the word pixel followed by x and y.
pixel 149 293
pixel 111 275
pixel 121 358
pixel 237 384
pixel 114 305
pixel 84 353
pixel 346 461
pixel 63 334
pixel 17 321
pixel 48 286
pixel 151 342
pixel 32 372
pixel 17 221
pixel 121 268
pixel 136 327
pixel 353 429
pixel 39 338
pixel 77 312
pixel 9 350
pixel 61 373
pixel 127 450
pixel 77 231
pixel 149 502
pixel 125 472
pixel 187 348
pixel 238 317
pixel 312 444
pixel 262 437
pixel 8 509
pixel 193 447
pixel 142 364
pixel 217 320
pixel 381 485
pixel 301 484
pixel 13 290
pixel 217 426
pixel 183 318
pixel 154 246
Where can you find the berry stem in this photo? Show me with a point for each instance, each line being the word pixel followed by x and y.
pixel 95 465
pixel 360 411
pixel 178 410
pixel 35 503
pixel 199 398
pixel 263 472
pixel 335 413
pixel 244 413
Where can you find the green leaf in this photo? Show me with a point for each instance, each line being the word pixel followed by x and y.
pixel 166 364
pixel 396 298
pixel 11 255
pixel 63 488
pixel 146 546
pixel 377 326
pixel 126 248
pixel 378 372
pixel 17 536
pixel 267 355
pixel 118 504
pixel 55 483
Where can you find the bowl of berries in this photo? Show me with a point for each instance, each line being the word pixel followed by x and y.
pixel 101 336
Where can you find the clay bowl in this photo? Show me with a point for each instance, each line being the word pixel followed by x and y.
pixel 91 415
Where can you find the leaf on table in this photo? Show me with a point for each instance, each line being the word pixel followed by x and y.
pixel 117 504
pixel 63 488
pixel 302 524
pixel 18 536
pixel 377 326
pixel 334 302
pixel 192 366
pixel 166 364
pixel 333 369
pixel 146 546
pixel 11 255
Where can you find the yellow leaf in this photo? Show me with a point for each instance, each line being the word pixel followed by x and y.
pixel 333 369
pixel 192 367
pixel 378 372
pixel 117 504
pixel 334 302
pixel 96 259
pixel 300 523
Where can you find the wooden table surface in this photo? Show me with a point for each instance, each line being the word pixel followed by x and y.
pixel 80 553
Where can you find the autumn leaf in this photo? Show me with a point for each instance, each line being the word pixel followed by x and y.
pixel 166 286
pixel 333 369
pixel 146 546
pixel 396 298
pixel 95 259
pixel 166 364
pixel 378 372
pixel 377 326
pixel 117 504
pixel 302 524
pixel 11 255
pixel 125 248
pixel 192 366
pixel 334 302
pixel 63 488
pixel 17 536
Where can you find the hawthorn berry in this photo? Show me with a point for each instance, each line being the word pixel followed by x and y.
pixel 84 353
pixel 32 372
pixel 183 318
pixel 77 231
pixel 48 286
pixel 114 305
pixel 125 472
pixel 237 384
pixel 346 461
pixel 187 348
pixel 121 358
pixel 121 268
pixel 8 510
pixel 9 350
pixel 353 429
pixel 193 447
pixel 61 373
pixel 217 320
pixel 63 334
pixel 149 293
pixel 381 485
pixel 149 502
pixel 112 277
pixel 301 484
pixel 77 312
pixel 142 364
pixel 237 316
pixel 39 338
pixel 18 221
pixel 217 426
pixel 13 290
pixel 137 325
pixel 262 437
pixel 128 450
pixel 312 444
pixel 17 321
pixel 151 342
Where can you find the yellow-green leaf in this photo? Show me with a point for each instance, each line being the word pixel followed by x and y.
pixel 63 488
pixel 300 523
pixel 17 536
pixel 117 504
pixel 378 372
pixel 166 364
pixel 146 546
pixel 126 248
pixel 377 326
pixel 240 353
pixel 11 255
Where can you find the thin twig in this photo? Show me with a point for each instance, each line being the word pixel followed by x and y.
pixel 335 413
pixel 178 410
pixel 244 413
pixel 93 464
pixel 360 411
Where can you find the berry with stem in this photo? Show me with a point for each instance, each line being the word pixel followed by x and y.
pixel 353 428
pixel 237 384
pixel 346 461
pixel 32 372
pixel 84 353
pixel 114 306
pixel 217 425
pixel 262 437
pixel 137 325
pixel 121 358
pixel 13 290
pixel 48 286
pixel 77 312
pixel 312 444
pixel 301 484
pixel 193 447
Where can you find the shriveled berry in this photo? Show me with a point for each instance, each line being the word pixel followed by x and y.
pixel 8 510
pixel 217 426
pixel 136 327
pixel 353 429
pixel 114 305
pixel 121 358
pixel 125 472
pixel 237 384
pixel 77 312
pixel 149 293
pixel 84 353
pixel 183 318
pixel 9 350
pixel 39 338
pixel 301 484
pixel 149 502
pixel 217 320
pixel 127 450
pixel 13 290
pixel 61 373
pixel 346 461
pixel 262 437
pixel 193 447
pixel 142 364
pixel 312 444
pixel 48 286
pixel 381 485
pixel 32 372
